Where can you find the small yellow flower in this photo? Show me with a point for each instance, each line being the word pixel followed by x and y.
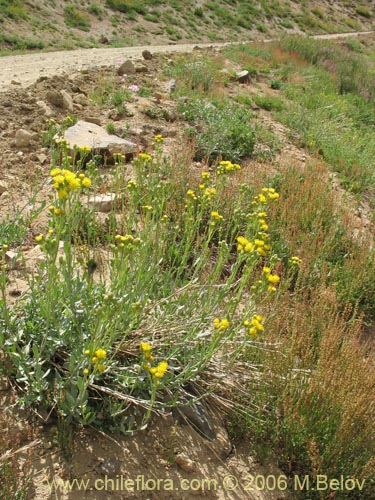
pixel 57 211
pixel 101 368
pixel 161 369
pixel 85 371
pixel 86 182
pixel 51 208
pixel 100 353
pixel 87 352
pixel 39 238
pixel 273 278
pixel 222 324
pixel 62 193
pixel 55 171
pixel 253 332
pixel 94 359
pixel 159 139
pixel 146 347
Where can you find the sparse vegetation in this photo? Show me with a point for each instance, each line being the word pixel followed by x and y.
pixel 238 247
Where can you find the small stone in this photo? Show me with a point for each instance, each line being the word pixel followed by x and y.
pixel 103 202
pixel 11 259
pixel 93 119
pixel 80 99
pixel 185 463
pixel 243 76
pixel 67 101
pixel 172 86
pixel 158 96
pixel 55 98
pixel 126 68
pixel 45 108
pixel 147 55
pixel 170 115
pixel 103 39
pixel 3 187
pixel 42 158
pixel 15 82
pixel 23 138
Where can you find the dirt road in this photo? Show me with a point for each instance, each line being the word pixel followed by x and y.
pixel 26 69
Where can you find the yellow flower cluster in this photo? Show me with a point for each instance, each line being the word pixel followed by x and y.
pixel 145 157
pixel 159 139
pixel 127 241
pixel 295 261
pixel 273 279
pixel 191 195
pixel 258 245
pixel 65 181
pixel 160 370
pixel 221 324
pixel 255 325
pixel 209 193
pixel 227 166
pixel 205 176
pixel 55 210
pixel 147 208
pixel 132 184
pixel 97 360
pixel 84 149
pixel 216 217
pixel 265 195
pixel 147 348
pixel 156 371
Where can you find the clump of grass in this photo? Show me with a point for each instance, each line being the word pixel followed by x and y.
pixel 76 18
pixel 195 73
pixel 15 9
pixel 269 103
pixel 363 11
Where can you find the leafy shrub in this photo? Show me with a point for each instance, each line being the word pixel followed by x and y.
pixel 198 12
pixel 220 131
pixel 95 10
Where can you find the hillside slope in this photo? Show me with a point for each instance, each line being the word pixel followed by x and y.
pixel 69 24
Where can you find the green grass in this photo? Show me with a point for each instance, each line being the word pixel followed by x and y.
pixel 76 18
pixel 14 9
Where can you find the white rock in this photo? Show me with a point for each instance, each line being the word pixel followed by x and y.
pixel 102 202
pixel 97 138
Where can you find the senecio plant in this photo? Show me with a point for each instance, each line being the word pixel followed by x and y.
pixel 118 322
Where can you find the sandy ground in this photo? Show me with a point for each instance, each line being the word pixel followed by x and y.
pixel 26 69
